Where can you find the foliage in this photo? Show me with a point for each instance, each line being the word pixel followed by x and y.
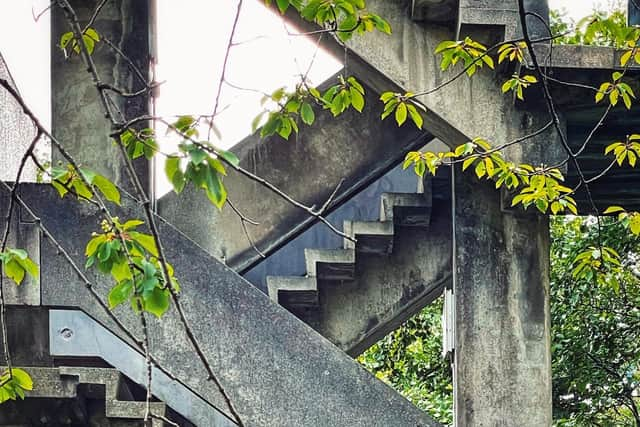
pixel 131 258
pixel 344 17
pixel 601 28
pixel 13 384
pixel 83 183
pixel 595 322
pixel 16 264
pixel 89 37
pixel 409 359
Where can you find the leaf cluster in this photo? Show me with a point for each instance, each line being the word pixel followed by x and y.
pixel 14 383
pixel 198 162
pixel 131 258
pixel 69 180
pixel 68 41
pixel 344 17
pixel 16 264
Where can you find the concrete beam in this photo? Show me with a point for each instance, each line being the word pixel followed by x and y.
pixel 78 117
pixel 354 149
pixel 502 366
pixel 277 370
pixel 466 108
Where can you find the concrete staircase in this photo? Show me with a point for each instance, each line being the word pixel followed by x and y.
pixel 81 395
pixel 332 267
pixel 252 344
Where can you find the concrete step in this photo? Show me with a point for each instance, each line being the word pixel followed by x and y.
pixel 97 383
pixel 293 291
pixel 331 264
pixel 112 381
pixel 406 209
pixel 374 237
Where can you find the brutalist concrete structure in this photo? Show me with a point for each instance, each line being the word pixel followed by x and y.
pixel 284 350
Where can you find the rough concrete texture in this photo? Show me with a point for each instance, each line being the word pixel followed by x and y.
pixel 466 108
pixel 277 370
pixel 305 168
pixel 502 369
pixel 24 234
pixel 16 132
pixel 78 116
pixel 28 336
pixel 60 397
pixel 388 289
pixel 388 279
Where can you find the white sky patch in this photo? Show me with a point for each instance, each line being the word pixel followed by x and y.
pixel 24 44
pixel 578 9
pixel 190 59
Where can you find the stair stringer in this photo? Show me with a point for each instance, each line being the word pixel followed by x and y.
pixel 63 382
pixel 276 370
pixel 407 270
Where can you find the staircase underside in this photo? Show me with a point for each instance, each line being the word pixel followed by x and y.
pixel 355 295
pixel 277 370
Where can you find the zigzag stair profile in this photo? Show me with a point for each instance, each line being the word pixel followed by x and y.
pixel 84 384
pixel 276 370
pixel 112 380
pixel 300 295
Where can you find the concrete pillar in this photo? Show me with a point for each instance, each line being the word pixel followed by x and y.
pixel 634 12
pixel 537 29
pixel 78 117
pixel 502 360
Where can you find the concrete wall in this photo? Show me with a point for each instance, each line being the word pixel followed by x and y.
pixel 16 133
pixel 78 116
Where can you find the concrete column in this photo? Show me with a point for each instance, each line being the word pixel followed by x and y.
pixel 537 29
pixel 502 361
pixel 634 12
pixel 78 116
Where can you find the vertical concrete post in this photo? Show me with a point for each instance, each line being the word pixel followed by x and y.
pixel 78 116
pixel 502 360
pixel 537 28
pixel 633 16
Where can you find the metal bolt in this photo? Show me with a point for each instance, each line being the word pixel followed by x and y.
pixel 66 333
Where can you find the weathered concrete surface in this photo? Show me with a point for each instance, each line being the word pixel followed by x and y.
pixel 16 133
pixel 28 336
pixel 23 234
pixel 78 396
pixel 74 335
pixel 502 368
pixel 307 168
pixel 78 116
pixel 466 108
pixel 387 290
pixel 277 370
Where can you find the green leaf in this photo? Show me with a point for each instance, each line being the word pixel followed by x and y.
pixel 306 114
pixel 401 113
pixel 357 100
pixel 22 379
pixel 613 209
pixel 283 5
pixel 197 155
pixel 120 293
pixel 14 271
pixel 107 188
pixel 156 302
pixel 146 241
pixel 415 115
